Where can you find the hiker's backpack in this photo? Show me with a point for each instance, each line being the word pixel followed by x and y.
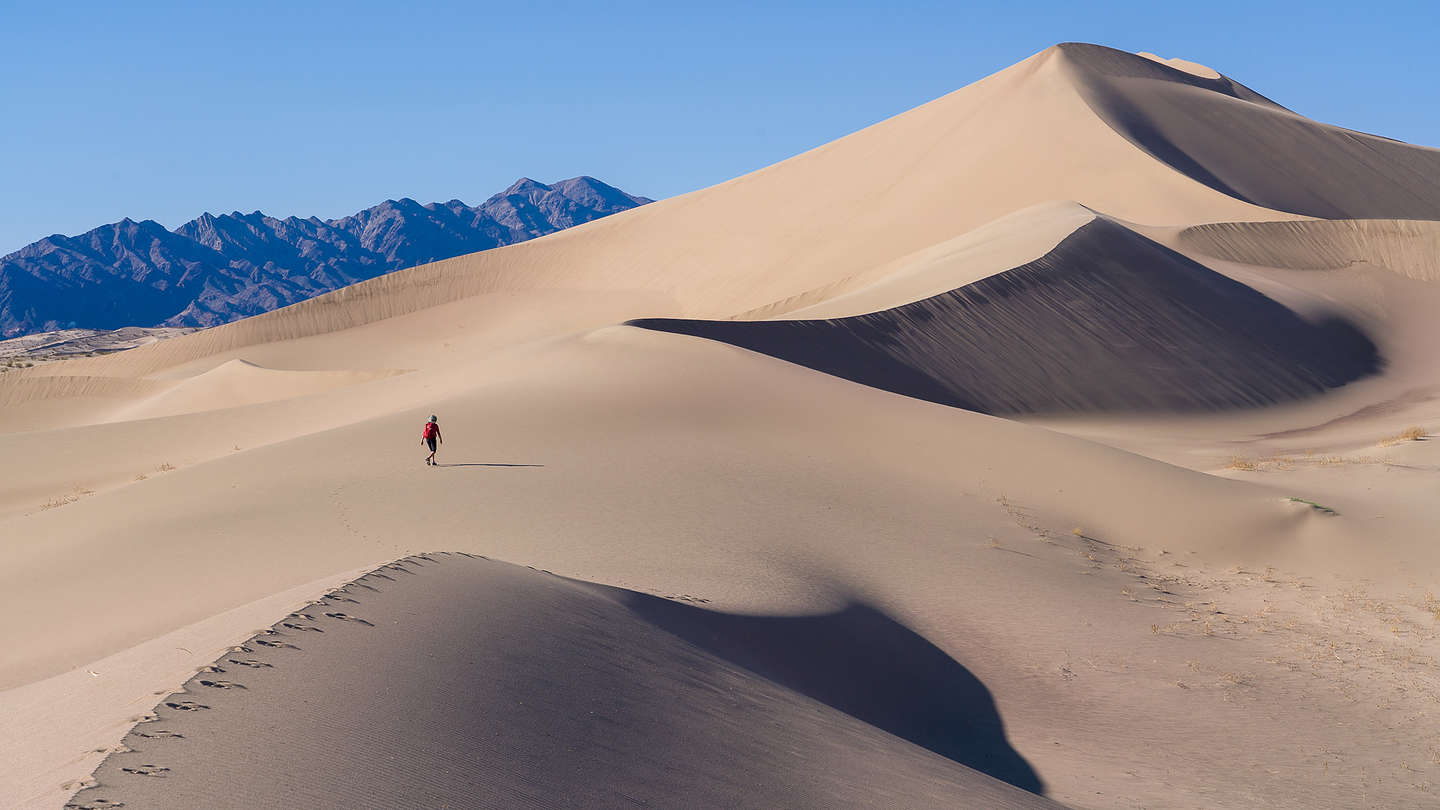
pixel 430 429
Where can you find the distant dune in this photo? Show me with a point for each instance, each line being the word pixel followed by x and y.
pixel 1408 247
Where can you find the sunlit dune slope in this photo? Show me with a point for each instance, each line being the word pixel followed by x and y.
pixel 237 383
pixel 1408 247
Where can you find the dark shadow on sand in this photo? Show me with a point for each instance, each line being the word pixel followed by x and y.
pixel 488 464
pixel 1107 321
pixel 867 665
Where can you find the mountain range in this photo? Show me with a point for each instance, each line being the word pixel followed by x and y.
pixel 216 269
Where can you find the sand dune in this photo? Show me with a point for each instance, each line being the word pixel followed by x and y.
pixel 445 652
pixel 1237 142
pixel 1107 321
pixel 1020 238
pixel 18 389
pixel 1216 603
pixel 1408 247
pixel 237 383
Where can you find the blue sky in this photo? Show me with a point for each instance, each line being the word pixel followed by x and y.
pixel 162 111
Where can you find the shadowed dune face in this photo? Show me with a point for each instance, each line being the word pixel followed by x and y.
pixel 1108 321
pixel 449 680
pixel 1238 142
pixel 867 665
pixel 1112 64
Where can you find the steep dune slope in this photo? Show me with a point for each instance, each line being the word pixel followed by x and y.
pixel 1238 142
pixel 650 717
pixel 1108 320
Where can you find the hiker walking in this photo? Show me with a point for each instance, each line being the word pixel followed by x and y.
pixel 431 436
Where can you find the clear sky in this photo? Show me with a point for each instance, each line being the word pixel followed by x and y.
pixel 162 111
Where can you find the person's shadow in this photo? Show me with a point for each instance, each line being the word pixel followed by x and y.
pixel 869 666
pixel 489 464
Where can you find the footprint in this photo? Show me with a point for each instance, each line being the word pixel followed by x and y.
pixel 380 575
pixel 348 618
pixel 146 718
pixel 222 684
pixel 212 668
pixel 249 662
pixel 335 598
pixel 279 645
pixel 305 616
pixel 301 627
pixel 94 804
pixel 147 770
pixel 185 705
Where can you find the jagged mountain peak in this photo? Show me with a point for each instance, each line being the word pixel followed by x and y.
pixel 523 185
pixel 218 268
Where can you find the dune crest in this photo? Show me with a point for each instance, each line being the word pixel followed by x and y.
pixel 236 383
pixel 430 680
pixel 1193 68
pixel 1408 247
pixel 1107 321
pixel 1232 139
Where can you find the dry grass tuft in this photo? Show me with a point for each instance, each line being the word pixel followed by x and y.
pixel 165 467
pixel 1414 433
pixel 1433 605
pixel 78 493
pixel 1239 463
